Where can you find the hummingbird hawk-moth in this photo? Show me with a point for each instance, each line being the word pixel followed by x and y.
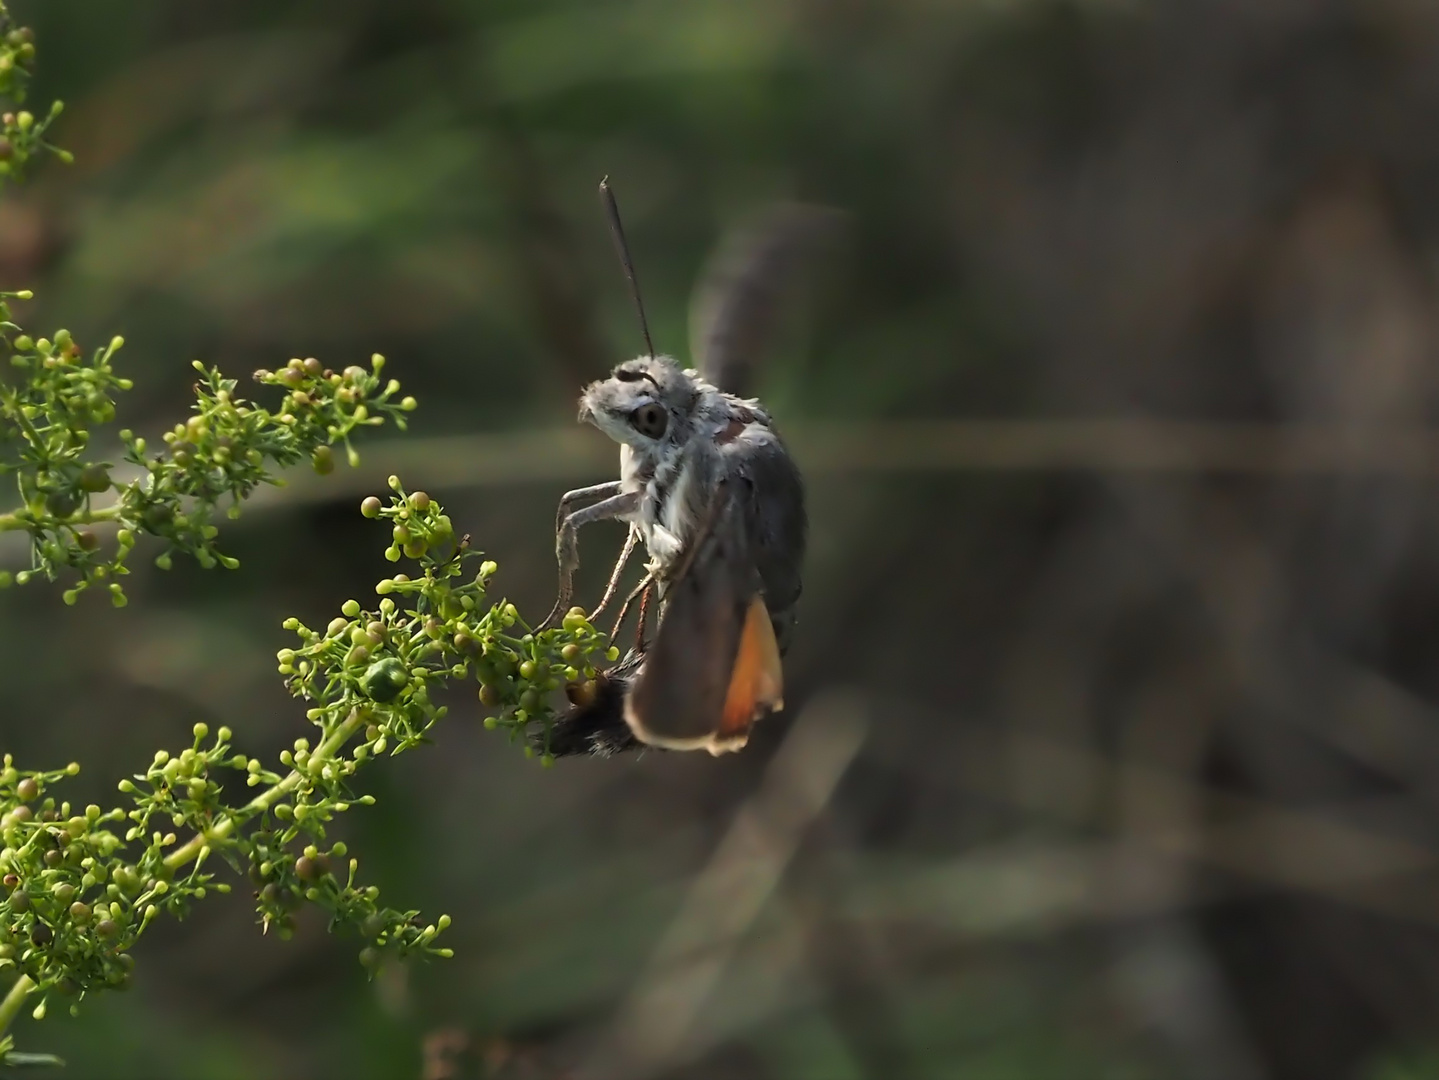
pixel 708 486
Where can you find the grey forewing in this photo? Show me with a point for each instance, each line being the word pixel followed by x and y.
pixel 771 496
pixel 680 693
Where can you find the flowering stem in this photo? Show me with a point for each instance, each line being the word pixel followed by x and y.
pixel 267 798
pixel 10 1006
pixel 17 521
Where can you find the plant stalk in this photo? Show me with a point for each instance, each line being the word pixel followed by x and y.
pixel 10 1006
pixel 267 798
pixel 15 522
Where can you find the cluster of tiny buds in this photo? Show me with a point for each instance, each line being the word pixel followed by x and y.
pixel 22 134
pixel 223 452
pixel 81 887
pixel 439 625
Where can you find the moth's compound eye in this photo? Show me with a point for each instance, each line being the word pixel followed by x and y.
pixel 650 420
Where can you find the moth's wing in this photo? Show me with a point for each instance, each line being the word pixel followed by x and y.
pixel 773 500
pixel 741 291
pixel 713 667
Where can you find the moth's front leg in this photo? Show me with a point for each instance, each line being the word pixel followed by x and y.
pixel 567 548
pixel 594 491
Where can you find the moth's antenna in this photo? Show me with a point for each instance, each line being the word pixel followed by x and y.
pixel 613 212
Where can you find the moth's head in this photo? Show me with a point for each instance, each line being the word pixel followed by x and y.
pixel 646 402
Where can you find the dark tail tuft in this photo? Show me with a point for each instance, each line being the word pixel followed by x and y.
pixel 598 728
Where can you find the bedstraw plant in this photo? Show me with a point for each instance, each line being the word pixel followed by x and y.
pixel 80 885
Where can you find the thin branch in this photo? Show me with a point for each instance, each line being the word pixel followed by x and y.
pixel 14 1000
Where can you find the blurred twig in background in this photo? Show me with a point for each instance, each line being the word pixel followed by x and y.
pixel 660 1025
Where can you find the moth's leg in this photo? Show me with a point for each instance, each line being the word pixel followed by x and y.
pixel 630 599
pixel 567 548
pixel 630 541
pixel 594 491
pixel 640 643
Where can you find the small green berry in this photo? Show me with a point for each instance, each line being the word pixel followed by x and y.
pixel 94 478
pixel 384 679
pixel 373 925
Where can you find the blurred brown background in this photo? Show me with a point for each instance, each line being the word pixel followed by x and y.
pixel 1112 744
